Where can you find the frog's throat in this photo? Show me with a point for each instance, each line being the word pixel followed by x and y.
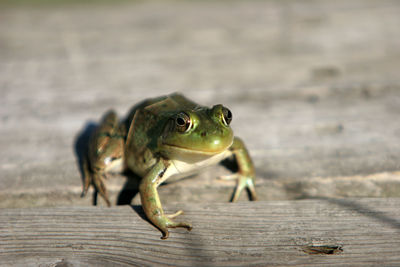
pixel 189 155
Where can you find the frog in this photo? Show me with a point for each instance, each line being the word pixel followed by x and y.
pixel 163 137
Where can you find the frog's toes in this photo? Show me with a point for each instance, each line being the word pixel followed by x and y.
pixel 186 225
pixel 250 185
pixel 171 216
pixel 86 186
pixel 171 224
pixel 165 234
pixel 84 192
pixel 101 188
pixel 245 182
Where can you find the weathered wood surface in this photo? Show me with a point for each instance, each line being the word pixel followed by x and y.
pixel 314 87
pixel 242 234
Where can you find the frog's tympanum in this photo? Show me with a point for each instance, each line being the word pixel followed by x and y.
pixel 160 138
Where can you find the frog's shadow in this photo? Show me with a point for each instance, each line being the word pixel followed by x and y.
pixel 81 143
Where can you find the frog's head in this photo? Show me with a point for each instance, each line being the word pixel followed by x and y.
pixel 196 134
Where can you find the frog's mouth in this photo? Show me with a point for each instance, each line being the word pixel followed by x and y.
pixel 190 155
pixel 198 151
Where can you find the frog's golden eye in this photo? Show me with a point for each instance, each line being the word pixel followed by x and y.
pixel 183 122
pixel 226 116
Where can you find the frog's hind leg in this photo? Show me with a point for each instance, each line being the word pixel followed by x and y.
pixel 97 180
pixel 87 177
pixel 105 154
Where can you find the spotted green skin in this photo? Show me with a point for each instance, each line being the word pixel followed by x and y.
pixel 150 144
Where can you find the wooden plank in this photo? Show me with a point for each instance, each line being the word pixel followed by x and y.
pixel 356 232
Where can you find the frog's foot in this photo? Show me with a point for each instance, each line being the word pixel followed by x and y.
pixel 163 222
pixel 176 214
pixel 166 223
pixel 245 182
pixel 100 187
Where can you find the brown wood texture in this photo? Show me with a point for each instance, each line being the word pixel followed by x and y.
pixel 318 232
pixel 314 88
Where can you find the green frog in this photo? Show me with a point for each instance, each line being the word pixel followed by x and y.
pixel 163 137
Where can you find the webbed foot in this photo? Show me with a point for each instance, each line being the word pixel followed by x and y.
pixel 165 222
pixel 245 182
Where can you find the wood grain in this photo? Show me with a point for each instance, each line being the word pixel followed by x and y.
pixel 367 231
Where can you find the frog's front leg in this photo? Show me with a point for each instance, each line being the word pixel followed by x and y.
pixel 151 201
pixel 246 173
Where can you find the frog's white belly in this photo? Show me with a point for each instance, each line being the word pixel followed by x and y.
pixel 181 168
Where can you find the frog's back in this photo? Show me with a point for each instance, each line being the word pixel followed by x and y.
pixel 145 123
pixel 161 105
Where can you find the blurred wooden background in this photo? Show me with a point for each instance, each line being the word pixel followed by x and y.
pixel 314 88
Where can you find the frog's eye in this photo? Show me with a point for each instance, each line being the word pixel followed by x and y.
pixel 183 122
pixel 226 116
